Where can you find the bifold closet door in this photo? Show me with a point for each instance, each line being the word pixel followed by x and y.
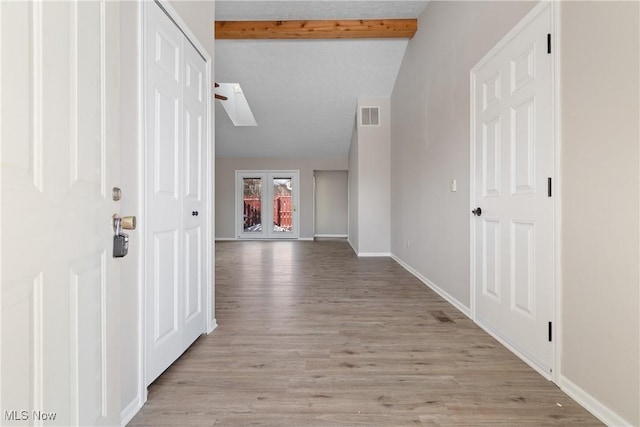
pixel 175 129
pixel 194 196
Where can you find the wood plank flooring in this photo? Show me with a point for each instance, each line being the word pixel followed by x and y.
pixel 310 335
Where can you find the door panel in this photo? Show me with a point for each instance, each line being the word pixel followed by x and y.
pixel 514 156
pixel 164 208
pixel 176 128
pixel 193 156
pixel 491 163
pixel 59 316
pixel 522 268
pixel 165 289
pixel 522 148
pixel 88 305
pixel 193 197
pixel 193 279
pixel 21 361
pixel 166 144
pixel 167 51
pixel 282 190
pixel 492 256
pixel 21 290
pixel 252 206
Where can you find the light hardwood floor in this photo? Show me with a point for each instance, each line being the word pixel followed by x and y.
pixel 310 335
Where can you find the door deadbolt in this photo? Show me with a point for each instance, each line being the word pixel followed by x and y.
pixel 477 211
pixel 129 222
pixel 116 194
pixel 125 222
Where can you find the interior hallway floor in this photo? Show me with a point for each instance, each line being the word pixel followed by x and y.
pixel 310 335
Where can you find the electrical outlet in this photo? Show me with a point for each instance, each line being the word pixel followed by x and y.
pixel 453 186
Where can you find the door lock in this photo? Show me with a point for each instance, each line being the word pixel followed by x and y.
pixel 116 194
pixel 477 211
pixel 120 239
pixel 128 222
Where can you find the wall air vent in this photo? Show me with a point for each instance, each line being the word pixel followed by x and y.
pixel 370 116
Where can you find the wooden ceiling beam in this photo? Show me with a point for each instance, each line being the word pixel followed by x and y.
pixel 332 29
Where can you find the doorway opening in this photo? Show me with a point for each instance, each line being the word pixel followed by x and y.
pixel 331 204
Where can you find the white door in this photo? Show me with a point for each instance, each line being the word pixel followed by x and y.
pixel 194 196
pixel 59 295
pixel 267 204
pixel 175 127
pixel 514 163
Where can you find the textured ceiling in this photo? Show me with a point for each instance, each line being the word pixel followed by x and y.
pixel 303 93
pixel 266 10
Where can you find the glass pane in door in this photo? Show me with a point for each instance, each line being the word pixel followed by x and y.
pixel 252 204
pixel 282 205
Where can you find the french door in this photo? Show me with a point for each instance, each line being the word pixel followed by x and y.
pixel 513 205
pixel 267 204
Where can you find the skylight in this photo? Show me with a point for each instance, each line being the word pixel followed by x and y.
pixel 236 105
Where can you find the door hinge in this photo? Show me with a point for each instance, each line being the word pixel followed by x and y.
pixel 549 43
pixel 549 183
pixel 550 331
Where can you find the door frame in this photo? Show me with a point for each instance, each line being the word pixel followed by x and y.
pixel 296 204
pixel 554 9
pixel 210 321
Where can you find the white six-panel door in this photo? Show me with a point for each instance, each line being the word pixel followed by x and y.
pixel 59 296
pixel 514 160
pixel 175 153
pixel 194 187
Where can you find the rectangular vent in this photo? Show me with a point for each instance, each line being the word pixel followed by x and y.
pixel 370 116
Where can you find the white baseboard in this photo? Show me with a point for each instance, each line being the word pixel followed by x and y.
pixel 233 239
pixel 591 404
pixel 213 325
pixel 352 246
pixel 332 236
pixel 130 411
pixel 373 254
pixel 454 302
pixel 306 239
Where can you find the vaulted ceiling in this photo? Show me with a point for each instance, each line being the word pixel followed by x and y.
pixel 303 93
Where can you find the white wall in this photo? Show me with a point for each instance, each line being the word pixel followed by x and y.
pixel 374 175
pixel 600 190
pixel 600 94
pixel 353 188
pixel 226 183
pixel 199 17
pixel 430 137
pixel 332 196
